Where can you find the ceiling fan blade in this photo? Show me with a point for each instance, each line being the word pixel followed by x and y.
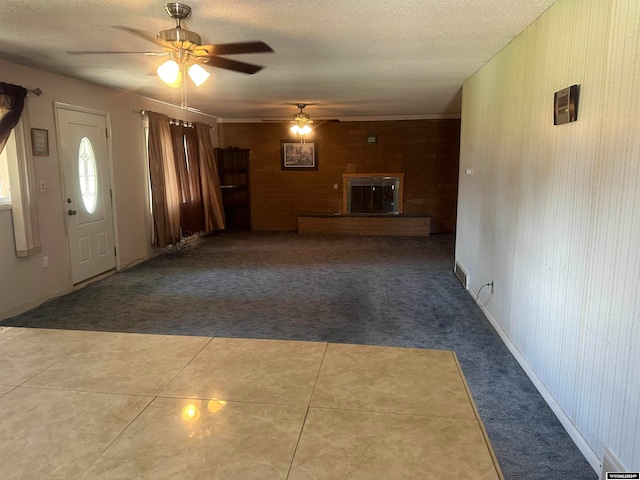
pixel 329 120
pixel 147 36
pixel 232 48
pixel 316 125
pixel 109 52
pixel 234 65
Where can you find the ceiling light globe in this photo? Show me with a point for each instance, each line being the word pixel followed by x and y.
pixel 198 74
pixel 169 73
pixel 301 129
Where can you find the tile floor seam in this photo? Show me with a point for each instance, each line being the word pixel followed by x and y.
pixel 315 383
pixel 115 439
pixel 86 391
pixel 11 389
pixel 184 366
pixel 465 385
pixel 483 429
pixel 47 368
pixel 306 413
pixel 295 450
pixel 244 402
pixel 396 413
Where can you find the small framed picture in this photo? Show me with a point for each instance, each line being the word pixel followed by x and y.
pixel 299 156
pixel 40 142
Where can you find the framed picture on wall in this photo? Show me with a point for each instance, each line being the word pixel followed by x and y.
pixel 40 142
pixel 299 156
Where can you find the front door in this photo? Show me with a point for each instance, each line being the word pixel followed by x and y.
pixel 84 163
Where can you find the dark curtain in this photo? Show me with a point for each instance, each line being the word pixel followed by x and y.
pixel 11 105
pixel 187 163
pixel 185 187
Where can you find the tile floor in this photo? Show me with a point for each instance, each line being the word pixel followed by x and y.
pixel 99 405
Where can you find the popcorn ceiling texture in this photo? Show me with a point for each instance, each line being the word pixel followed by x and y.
pixel 357 58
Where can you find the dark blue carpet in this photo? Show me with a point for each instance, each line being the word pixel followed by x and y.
pixel 364 290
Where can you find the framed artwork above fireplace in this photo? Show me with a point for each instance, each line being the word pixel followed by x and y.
pixel 298 156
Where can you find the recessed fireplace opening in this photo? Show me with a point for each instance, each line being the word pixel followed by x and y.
pixel 372 193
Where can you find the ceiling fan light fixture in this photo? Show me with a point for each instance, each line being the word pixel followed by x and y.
pixel 301 130
pixel 169 73
pixel 198 74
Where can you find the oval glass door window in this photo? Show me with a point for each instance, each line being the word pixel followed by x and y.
pixel 87 175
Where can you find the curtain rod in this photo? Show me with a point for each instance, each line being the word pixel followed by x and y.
pixel 175 121
pixel 36 91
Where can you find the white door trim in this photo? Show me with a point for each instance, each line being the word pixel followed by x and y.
pixel 57 106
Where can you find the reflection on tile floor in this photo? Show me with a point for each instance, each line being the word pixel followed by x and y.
pixel 95 405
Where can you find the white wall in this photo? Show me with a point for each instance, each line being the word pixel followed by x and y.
pixel 551 214
pixel 24 283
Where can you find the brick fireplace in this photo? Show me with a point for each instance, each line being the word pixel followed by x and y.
pixel 372 204
pixel 372 193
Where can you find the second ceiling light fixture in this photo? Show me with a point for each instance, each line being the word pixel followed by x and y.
pixel 301 122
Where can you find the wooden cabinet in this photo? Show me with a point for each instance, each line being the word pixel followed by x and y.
pixel 233 169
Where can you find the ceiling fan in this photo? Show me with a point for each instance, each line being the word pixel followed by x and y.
pixel 301 123
pixel 186 51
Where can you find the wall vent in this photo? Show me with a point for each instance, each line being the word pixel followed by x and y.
pixel 462 275
pixel 610 464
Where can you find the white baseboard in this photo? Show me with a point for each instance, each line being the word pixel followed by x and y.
pixel 12 312
pixel 568 425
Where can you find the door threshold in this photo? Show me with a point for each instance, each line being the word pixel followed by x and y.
pixel 95 278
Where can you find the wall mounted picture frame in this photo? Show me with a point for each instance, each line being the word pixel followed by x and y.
pixel 565 105
pixel 298 156
pixel 40 142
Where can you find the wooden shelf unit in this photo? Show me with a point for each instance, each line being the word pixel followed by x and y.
pixel 233 170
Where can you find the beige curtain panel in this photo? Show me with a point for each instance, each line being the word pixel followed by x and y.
pixel 210 181
pixel 165 191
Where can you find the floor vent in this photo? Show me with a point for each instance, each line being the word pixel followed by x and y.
pixel 462 275
pixel 610 464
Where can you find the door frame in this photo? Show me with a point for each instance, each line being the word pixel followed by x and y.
pixel 57 106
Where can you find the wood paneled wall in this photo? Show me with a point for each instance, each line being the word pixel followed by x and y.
pixel 426 151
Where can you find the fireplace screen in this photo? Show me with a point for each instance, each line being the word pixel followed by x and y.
pixel 373 194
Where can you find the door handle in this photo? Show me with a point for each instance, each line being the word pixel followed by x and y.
pixel 71 212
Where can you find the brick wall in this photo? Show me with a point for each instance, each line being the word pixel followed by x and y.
pixel 383 225
pixel 426 151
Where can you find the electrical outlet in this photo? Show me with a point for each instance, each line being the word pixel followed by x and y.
pixel 45 262
pixel 335 186
pixel 43 186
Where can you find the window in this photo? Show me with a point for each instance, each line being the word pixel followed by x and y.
pixel 18 190
pixel 87 175
pixel 7 157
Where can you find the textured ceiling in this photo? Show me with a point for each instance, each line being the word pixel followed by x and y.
pixel 357 58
